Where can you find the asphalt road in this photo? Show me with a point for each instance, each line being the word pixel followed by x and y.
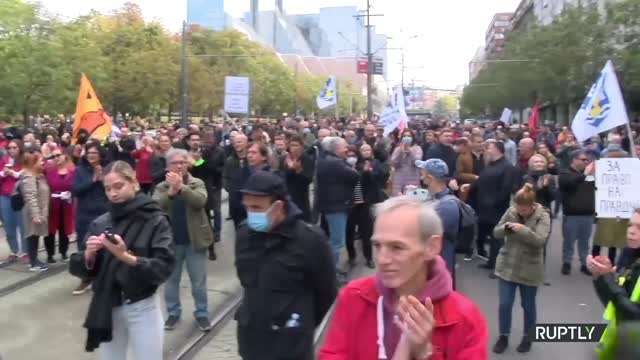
pixel 44 321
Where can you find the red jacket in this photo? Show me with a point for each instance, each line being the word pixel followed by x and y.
pixel 460 333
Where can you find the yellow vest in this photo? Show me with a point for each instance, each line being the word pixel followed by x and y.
pixel 608 345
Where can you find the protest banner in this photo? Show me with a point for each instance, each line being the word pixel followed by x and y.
pixel 617 183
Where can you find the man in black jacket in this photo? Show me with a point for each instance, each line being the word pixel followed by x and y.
pixel 336 183
pixel 235 171
pixel 208 164
pixel 578 209
pixel 286 270
pixel 444 151
pixel 491 193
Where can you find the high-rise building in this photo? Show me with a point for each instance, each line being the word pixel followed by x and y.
pixel 477 63
pixel 495 37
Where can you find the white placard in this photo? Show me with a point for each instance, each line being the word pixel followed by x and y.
pixel 236 85
pixel 617 182
pixel 236 104
pixel 237 91
pixel 506 115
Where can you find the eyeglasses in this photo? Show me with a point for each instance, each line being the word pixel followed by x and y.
pixel 178 163
pixel 583 159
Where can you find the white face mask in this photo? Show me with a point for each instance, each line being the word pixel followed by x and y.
pixel 352 160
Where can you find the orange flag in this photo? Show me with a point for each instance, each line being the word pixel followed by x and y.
pixel 90 115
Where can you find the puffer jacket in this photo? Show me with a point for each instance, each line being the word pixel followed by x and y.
pixel 521 258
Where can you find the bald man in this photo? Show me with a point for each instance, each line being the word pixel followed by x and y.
pixel 526 149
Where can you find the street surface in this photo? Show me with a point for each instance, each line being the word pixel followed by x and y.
pixel 44 321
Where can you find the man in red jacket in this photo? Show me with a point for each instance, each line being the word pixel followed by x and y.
pixel 408 310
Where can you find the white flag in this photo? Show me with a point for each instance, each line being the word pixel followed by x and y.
pixel 395 114
pixel 603 109
pixel 328 94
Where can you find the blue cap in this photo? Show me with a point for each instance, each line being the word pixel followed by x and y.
pixel 434 167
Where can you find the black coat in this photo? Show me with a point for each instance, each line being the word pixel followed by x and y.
pixel 373 182
pixel 288 270
pixel 336 182
pixel 298 184
pixel 578 195
pixel 158 169
pixel 445 153
pixel 91 198
pixel 146 231
pixel 210 172
pixel 544 194
pixel 493 189
pixel 235 173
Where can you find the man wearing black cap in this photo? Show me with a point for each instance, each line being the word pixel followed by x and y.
pixel 286 269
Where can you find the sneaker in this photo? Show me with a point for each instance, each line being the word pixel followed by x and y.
pixel 171 322
pixel 38 266
pixel 525 345
pixel 51 260
pixel 25 259
pixel 12 258
pixel 82 288
pixel 204 323
pixel 584 270
pixel 468 257
pixel 566 269
pixel 501 345
pixel 212 254
pixel 64 258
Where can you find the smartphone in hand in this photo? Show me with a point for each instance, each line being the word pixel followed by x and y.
pixel 110 236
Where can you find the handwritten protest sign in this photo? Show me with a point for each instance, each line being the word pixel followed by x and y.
pixel 617 192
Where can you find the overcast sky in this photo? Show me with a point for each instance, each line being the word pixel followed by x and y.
pixel 449 31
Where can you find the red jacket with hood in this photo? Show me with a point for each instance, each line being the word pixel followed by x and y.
pixel 460 332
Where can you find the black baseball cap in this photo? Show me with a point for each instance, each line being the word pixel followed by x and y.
pixel 264 183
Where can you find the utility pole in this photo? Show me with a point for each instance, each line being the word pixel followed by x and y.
pixel 368 15
pixel 185 78
pixel 369 66
pixel 402 70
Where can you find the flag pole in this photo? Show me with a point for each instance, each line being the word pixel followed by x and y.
pixel 337 111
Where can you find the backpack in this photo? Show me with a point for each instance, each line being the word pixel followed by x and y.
pixel 467 226
pixel 17 200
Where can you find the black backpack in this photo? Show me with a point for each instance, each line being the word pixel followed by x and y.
pixel 17 200
pixel 467 227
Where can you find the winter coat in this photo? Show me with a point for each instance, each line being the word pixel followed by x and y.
pixel 373 182
pixel 578 195
pixel 35 192
pixel 491 192
pixel 336 183
pixel 194 195
pixel 521 258
pixel 90 198
pixel 298 183
pixel 460 328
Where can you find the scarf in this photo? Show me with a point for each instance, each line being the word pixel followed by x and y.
pixel 128 220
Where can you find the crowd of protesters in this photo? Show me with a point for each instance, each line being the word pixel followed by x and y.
pixel 344 175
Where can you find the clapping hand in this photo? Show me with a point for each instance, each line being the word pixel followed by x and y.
pixel 600 265
pixel 417 322
pixel 175 182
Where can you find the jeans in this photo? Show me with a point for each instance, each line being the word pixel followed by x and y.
pixel 506 297
pixel 448 253
pixel 337 222
pixel 197 270
pixel 140 322
pixel 12 221
pixel 576 228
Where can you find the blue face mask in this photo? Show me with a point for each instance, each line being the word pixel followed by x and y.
pixel 259 221
pixel 407 139
pixel 306 130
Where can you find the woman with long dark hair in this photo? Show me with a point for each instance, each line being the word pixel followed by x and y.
pixel 129 254
pixel 60 172
pixel 90 196
pixel 11 166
